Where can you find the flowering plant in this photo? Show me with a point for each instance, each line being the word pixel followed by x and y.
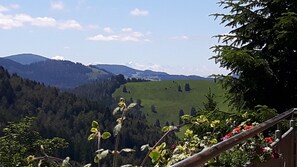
pixel 254 150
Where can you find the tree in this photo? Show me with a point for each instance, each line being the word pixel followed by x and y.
pixel 193 111
pixel 179 88
pixel 260 52
pixel 210 104
pixel 181 113
pixel 153 109
pixel 157 123
pixel 124 89
pixel 187 87
pixel 20 140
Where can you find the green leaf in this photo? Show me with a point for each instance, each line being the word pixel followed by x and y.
pixel 105 135
pixel 65 162
pixel 92 136
pixel 165 129
pixel 116 110
pixel 95 124
pixel 155 155
pixel 94 130
pixel 186 117
pixel 100 155
pixel 96 159
pixel 30 159
pixel 117 129
pixel 143 147
pixel 103 154
pixel 214 141
pixel 162 146
pixel 39 163
pixel 127 150
pixel 127 165
pixel 121 104
pixel 99 151
pixel 88 165
pixel 132 105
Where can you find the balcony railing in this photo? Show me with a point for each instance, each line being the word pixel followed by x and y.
pixel 285 145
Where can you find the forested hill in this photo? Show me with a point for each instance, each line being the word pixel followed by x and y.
pixel 58 73
pixel 67 116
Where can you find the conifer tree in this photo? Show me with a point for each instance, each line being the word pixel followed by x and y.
pixel 260 52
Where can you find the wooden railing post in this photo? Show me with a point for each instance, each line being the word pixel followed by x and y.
pixel 293 141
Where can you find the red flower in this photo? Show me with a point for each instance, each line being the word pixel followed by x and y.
pixel 268 139
pixel 236 130
pixel 173 146
pixel 227 136
pixel 248 127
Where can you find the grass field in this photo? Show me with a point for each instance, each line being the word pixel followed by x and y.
pixel 164 95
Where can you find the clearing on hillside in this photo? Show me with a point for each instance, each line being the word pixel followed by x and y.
pixel 164 100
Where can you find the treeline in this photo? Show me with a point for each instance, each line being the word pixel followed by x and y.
pixel 67 116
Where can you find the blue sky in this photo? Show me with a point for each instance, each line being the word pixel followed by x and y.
pixel 174 36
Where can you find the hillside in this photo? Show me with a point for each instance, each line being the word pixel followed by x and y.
pixel 58 73
pixel 166 98
pixel 146 74
pixel 68 116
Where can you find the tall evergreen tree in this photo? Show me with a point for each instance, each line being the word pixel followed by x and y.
pixel 210 104
pixel 260 51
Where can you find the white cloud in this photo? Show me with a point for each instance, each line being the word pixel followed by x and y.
pixel 138 12
pixel 58 5
pixel 107 29
pixel 3 9
pixel 183 37
pixel 126 35
pixel 58 57
pixel 69 24
pixel 101 37
pixel 44 22
pixel 149 66
pixel 127 29
pixel 8 21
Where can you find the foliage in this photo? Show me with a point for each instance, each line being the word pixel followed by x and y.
pixel 21 140
pixel 253 150
pixel 101 91
pixel 64 115
pixel 260 52
pixel 205 130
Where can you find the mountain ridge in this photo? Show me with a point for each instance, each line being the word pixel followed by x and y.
pixel 66 74
pixel 129 72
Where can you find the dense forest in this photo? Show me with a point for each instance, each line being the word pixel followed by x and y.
pixel 65 115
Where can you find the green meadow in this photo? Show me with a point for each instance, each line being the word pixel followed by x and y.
pixel 167 98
